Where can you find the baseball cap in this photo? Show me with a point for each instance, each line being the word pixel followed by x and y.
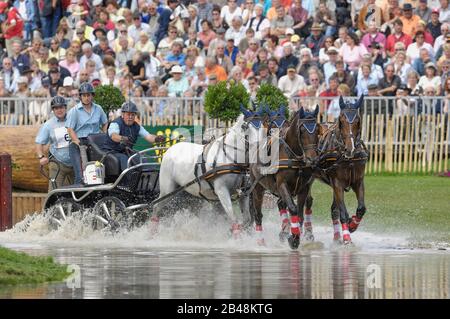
pixel 97 2
pixel 68 81
pixel 295 38
pixel 407 7
pixel 289 31
pixel 372 86
pixel 435 10
pixel 45 81
pixel 291 67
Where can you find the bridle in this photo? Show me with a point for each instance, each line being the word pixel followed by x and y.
pixel 350 115
pixel 310 125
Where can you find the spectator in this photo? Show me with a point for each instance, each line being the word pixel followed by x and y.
pixel 230 11
pixel 55 50
pixel 217 21
pixel 12 27
pixel 315 41
pixel 334 108
pixel 329 68
pixel 192 39
pixel 222 59
pixel 302 21
pixel 291 83
pixel 446 94
pixel 401 66
pixel 330 92
pixel 440 40
pixel 342 37
pixel 323 56
pixel 409 20
pixel 390 83
pixel 287 59
pixel 175 56
pixel 88 54
pixel 244 43
pixel 258 23
pixel 199 82
pixel 261 58
pixel 165 17
pixel 306 62
pixel 211 67
pixel 431 78
pixel 205 9
pixel 137 27
pixel 397 36
pixel 423 11
pixel 421 26
pixel 434 25
pixel 178 84
pixel 364 80
pixel 194 52
pixel 402 103
pixel 231 50
pixel 252 52
pixel 241 61
pixel 414 48
pixel 326 19
pixel 343 76
pixel 264 77
pixel 281 22
pixel 373 36
pixel 272 45
pixel 236 31
pixel 431 105
pixel 27 12
pixel 444 15
pixel 71 63
pixel 126 53
pixel 19 60
pixel 193 18
pixel 370 12
pixel 352 52
pixel 10 75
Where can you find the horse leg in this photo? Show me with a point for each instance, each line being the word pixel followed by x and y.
pixel 308 215
pixel 282 208
pixel 244 205
pixel 166 187
pixel 225 199
pixel 258 197
pixel 361 210
pixel 339 197
pixel 294 238
pixel 335 220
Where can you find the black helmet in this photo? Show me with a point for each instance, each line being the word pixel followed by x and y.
pixel 86 87
pixel 58 101
pixel 129 107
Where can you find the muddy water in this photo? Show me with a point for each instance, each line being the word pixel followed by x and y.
pixel 194 257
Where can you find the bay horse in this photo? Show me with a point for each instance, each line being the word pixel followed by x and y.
pixel 218 168
pixel 297 152
pixel 342 163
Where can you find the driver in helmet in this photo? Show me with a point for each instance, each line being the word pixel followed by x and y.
pixel 123 133
pixel 54 132
pixel 84 119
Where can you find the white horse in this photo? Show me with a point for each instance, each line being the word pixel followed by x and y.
pixel 180 166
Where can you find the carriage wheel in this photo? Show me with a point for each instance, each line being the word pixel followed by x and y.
pixel 109 212
pixel 61 210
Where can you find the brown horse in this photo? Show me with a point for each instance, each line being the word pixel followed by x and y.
pixel 342 163
pixel 297 152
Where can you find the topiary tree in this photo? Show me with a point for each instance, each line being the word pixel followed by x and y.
pixel 109 98
pixel 222 101
pixel 272 96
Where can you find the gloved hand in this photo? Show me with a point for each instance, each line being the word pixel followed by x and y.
pixel 126 142
pixel 159 139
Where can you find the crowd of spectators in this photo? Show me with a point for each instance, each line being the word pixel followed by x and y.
pixel 176 48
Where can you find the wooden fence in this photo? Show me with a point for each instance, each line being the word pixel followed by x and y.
pixel 26 203
pixel 405 144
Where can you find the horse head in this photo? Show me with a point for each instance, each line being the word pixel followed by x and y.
pixel 251 123
pixel 276 118
pixel 349 123
pixel 308 132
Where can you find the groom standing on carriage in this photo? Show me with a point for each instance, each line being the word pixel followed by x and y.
pixel 123 133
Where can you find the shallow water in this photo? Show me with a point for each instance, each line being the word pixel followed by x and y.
pixel 194 257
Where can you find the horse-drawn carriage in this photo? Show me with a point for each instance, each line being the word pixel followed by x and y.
pixel 230 167
pixel 121 199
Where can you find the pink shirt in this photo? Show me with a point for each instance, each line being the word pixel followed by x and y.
pixel 73 67
pixel 352 57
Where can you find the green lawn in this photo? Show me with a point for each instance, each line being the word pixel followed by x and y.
pixel 20 268
pixel 416 206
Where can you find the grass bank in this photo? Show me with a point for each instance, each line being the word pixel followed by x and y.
pixel 19 268
pixel 415 206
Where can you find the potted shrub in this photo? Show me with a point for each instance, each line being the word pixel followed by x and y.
pixel 223 100
pixel 109 98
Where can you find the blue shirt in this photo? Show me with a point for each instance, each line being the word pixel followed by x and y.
pixel 84 123
pixel 54 132
pixel 114 128
pixel 176 58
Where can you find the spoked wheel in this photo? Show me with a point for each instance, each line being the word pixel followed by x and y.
pixel 61 210
pixel 110 212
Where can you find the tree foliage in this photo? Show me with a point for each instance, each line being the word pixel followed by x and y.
pixel 108 97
